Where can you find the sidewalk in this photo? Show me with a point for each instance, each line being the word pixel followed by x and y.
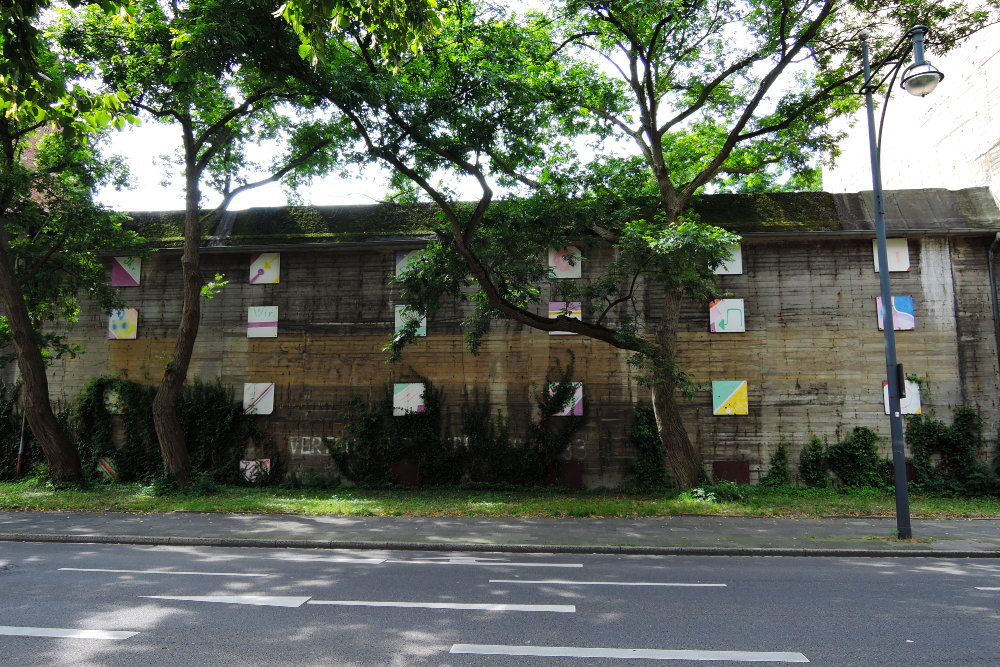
pixel 691 535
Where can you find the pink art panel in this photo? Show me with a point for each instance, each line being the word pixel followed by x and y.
pixel 557 308
pixel 126 271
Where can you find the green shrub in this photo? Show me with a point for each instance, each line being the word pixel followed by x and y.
pixel 215 429
pixel 648 470
pixel 484 454
pixel 813 467
pixel 945 456
pixel 10 438
pixel 856 460
pixel 777 472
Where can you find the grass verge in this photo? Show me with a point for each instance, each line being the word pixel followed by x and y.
pixel 736 501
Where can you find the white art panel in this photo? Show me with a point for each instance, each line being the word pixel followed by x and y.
pixel 726 316
pixel 258 398
pixel 565 262
pixel 407 397
pixel 735 264
pixel 262 322
pixel 909 404
pixel 404 258
pixel 898 254
pixel 404 315
pixel 265 268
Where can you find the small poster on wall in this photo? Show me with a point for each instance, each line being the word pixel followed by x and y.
pixel 572 309
pixel 565 262
pixel 265 268
pixel 262 322
pixel 575 406
pixel 902 313
pixel 126 271
pixel 726 316
pixel 258 398
pixel 407 398
pixel 123 324
pixel 729 397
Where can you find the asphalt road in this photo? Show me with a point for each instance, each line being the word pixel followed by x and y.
pixel 209 606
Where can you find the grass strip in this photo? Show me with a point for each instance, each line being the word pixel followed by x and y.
pixel 346 501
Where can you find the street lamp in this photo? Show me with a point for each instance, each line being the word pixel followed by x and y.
pixel 918 79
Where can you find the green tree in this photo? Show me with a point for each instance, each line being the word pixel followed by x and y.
pixel 716 93
pixel 193 65
pixel 49 227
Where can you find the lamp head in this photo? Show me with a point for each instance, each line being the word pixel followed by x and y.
pixel 920 78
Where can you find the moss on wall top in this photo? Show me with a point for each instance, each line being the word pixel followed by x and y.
pixel 779 212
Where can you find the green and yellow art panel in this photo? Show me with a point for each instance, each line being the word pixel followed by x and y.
pixel 729 397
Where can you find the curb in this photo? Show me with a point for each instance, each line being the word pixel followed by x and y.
pixel 494 548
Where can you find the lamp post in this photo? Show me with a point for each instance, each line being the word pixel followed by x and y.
pixel 919 79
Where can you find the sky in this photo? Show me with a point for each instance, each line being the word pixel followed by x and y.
pixel 142 147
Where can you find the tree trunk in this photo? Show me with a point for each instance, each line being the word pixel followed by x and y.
pixel 683 458
pixel 63 459
pixel 168 427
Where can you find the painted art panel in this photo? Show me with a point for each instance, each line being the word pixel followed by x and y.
pixel 265 268
pixel 557 308
pixel 902 313
pixel 575 407
pixel 909 404
pixel 405 258
pixel 726 316
pixel 565 262
pixel 123 324
pixel 258 398
pixel 407 398
pixel 729 397
pixel 734 266
pixel 898 254
pixel 255 469
pixel 262 322
pixel 126 271
pixel 404 315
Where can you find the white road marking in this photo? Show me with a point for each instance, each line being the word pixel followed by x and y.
pixel 625 653
pixel 988 588
pixel 472 606
pixel 258 600
pixel 201 574
pixel 64 633
pixel 568 582
pixel 477 561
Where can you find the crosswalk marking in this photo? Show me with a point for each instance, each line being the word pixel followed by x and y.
pixel 627 653
pixel 64 633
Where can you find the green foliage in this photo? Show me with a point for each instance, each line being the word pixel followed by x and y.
pixel 777 471
pixel 215 429
pixel 10 438
pixel 814 470
pixel 856 461
pixel 374 439
pixel 648 470
pixel 945 457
